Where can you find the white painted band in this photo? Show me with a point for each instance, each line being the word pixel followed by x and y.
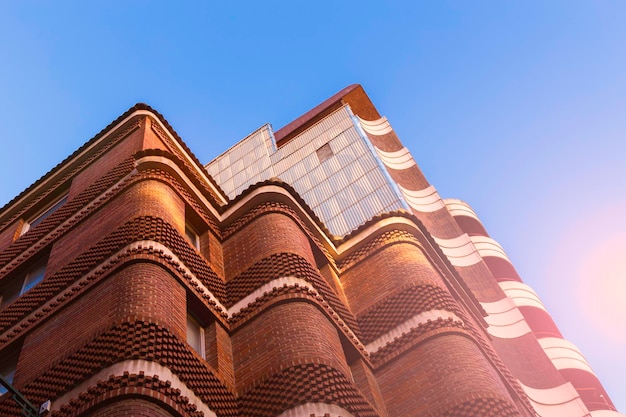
pixel 564 354
pixel 505 320
pixel 425 201
pixel 486 246
pixel 521 294
pixel 376 127
pixel 460 208
pixel 397 160
pixel 606 413
pixel 459 250
pixel 561 401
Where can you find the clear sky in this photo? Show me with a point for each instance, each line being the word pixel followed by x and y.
pixel 518 107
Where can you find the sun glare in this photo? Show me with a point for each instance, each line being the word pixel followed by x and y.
pixel 601 287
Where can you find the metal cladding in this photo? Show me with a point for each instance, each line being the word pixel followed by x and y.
pixel 311 271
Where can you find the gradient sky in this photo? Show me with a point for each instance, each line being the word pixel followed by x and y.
pixel 517 107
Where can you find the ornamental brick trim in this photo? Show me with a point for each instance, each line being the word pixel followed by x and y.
pixel 421 333
pixel 283 265
pixel 304 383
pixel 141 228
pixel 103 149
pixel 481 407
pixel 31 242
pixel 400 307
pixel 294 293
pixel 192 172
pixel 132 340
pixel 118 387
pixel 169 179
pixel 275 207
pixel 376 244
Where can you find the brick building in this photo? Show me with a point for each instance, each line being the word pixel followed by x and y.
pixel 308 271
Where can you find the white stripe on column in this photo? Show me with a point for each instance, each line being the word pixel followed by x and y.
pixel 505 320
pixel 425 201
pixel 521 294
pixel 397 160
pixel 564 354
pixel 459 250
pixel 377 127
pixel 488 247
pixel 460 208
pixel 561 401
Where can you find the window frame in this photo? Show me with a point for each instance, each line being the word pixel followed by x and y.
pixel 192 236
pixel 196 324
pixel 34 220
pixel 37 270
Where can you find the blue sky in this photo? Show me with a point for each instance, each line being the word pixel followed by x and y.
pixel 516 107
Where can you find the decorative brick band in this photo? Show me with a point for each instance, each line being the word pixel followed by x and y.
pixel 415 336
pixel 283 265
pixel 30 241
pixel 386 315
pixel 104 148
pixel 137 340
pixel 296 292
pixel 142 228
pixel 301 384
pixel 483 407
pixel 276 207
pixel 385 239
pixel 130 385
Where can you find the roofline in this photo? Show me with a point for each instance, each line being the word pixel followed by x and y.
pixel 353 95
pixel 139 109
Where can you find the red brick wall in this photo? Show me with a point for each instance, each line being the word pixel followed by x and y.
pixel 144 198
pixel 386 272
pixel 127 147
pixel 437 375
pixel 267 235
pixel 141 290
pixel 283 336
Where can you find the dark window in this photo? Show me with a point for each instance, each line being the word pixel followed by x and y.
pixel 43 215
pixel 16 287
pixel 324 153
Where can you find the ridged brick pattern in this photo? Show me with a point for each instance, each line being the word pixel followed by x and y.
pixel 301 384
pixel 275 207
pixel 409 339
pixel 65 211
pixel 143 228
pixel 128 385
pixel 192 172
pixel 193 201
pixel 395 310
pixel 387 238
pixel 482 407
pixel 286 265
pixel 138 340
pixel 107 145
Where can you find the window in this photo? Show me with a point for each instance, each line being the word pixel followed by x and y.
pixel 8 363
pixel 17 287
pixel 195 334
pixel 43 215
pixel 192 236
pixel 324 153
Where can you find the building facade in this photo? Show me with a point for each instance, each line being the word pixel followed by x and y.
pixel 308 271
